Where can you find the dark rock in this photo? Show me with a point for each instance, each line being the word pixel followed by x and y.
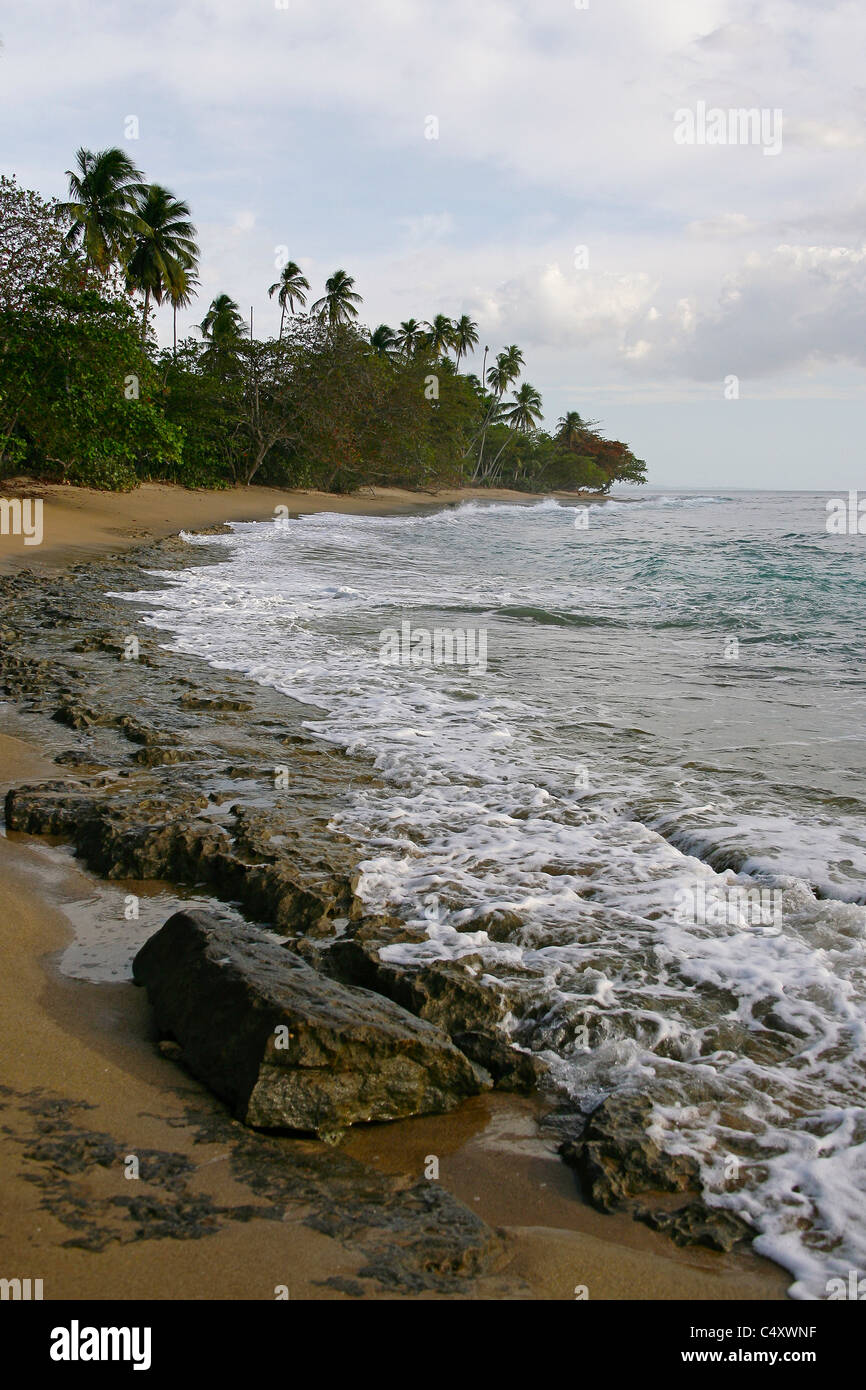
pixel 442 992
pixel 74 715
pixel 509 1068
pixel 223 993
pixel 140 837
pixel 697 1224
pixel 500 925
pixel 158 757
pixel 616 1159
pixel 137 732
pixel 214 704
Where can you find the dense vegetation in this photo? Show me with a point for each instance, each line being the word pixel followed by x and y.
pixel 87 396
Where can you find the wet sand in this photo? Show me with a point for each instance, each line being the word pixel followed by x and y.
pixel 79 523
pixel 84 1086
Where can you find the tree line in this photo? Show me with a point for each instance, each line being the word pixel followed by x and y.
pixel 88 396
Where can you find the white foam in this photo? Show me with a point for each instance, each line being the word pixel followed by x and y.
pixel 479 812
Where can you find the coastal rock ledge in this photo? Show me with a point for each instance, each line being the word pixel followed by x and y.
pixel 286 1047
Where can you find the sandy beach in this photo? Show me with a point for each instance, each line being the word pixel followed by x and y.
pixel 79 523
pixel 85 1086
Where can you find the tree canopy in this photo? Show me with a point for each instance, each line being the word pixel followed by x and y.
pixel 87 395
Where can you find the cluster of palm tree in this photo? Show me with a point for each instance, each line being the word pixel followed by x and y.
pixel 223 327
pixel 522 414
pixel 441 336
pixel 119 219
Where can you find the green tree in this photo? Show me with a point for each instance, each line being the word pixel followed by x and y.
pixel 521 416
pixel 465 339
pixel 338 304
pixel 290 289
pixel 78 399
pixel 570 427
pixel 104 192
pixel 440 337
pixel 223 330
pixel 409 337
pixel 208 406
pixel 383 341
pixel 181 293
pixel 163 250
pixel 32 246
pixel 526 409
pixel 506 370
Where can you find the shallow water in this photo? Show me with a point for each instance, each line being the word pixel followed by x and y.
pixel 669 712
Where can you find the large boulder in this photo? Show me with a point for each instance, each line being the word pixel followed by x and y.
pixel 286 1047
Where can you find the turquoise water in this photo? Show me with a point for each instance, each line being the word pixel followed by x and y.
pixel 669 712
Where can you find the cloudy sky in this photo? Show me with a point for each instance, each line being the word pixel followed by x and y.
pixel 556 205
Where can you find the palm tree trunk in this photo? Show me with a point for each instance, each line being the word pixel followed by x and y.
pixel 144 317
pixel 282 321
pixel 490 414
pixel 174 333
pixel 498 456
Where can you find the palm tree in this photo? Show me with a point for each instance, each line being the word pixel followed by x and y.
pixel 222 327
pixel 513 359
pixel 181 293
pixel 569 427
pixel 441 335
pixel 163 249
pixel 525 412
pixel 103 193
pixel 383 339
pixel 337 305
pixel 499 378
pixel 291 286
pixel 409 337
pixel 465 337
pixel 522 416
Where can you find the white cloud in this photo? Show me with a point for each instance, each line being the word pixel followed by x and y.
pixel 724 227
pixel 562 118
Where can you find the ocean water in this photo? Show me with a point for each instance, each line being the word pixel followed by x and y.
pixel 667 724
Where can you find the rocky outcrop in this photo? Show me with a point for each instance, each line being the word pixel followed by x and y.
pixel 444 992
pixel 166 776
pixel 617 1161
pixel 123 832
pixel 126 828
pixel 697 1224
pixel 286 1047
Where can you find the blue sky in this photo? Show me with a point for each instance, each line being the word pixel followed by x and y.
pixel 305 126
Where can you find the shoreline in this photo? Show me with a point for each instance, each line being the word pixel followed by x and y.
pixel 82 523
pixel 207 1231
